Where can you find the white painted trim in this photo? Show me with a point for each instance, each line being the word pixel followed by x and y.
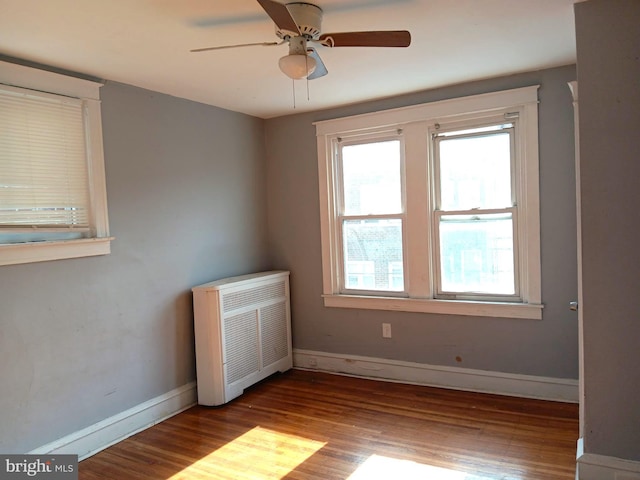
pixel 16 253
pixel 424 305
pixel 97 174
pixel 444 108
pixel 529 205
pixel 573 86
pixel 591 466
pixel 527 386
pixel 97 437
pixel 45 81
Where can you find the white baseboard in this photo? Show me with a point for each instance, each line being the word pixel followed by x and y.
pixel 600 467
pixel 528 386
pixel 97 437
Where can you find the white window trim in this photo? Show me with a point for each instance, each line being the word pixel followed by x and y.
pixel 413 120
pixel 89 92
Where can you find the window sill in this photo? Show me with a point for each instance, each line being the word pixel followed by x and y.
pixel 450 307
pixel 16 253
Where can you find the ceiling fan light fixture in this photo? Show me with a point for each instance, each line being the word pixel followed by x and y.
pixel 297 66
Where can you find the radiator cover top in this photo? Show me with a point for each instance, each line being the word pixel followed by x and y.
pixel 243 333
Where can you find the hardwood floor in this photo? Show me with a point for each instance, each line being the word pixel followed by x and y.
pixel 310 425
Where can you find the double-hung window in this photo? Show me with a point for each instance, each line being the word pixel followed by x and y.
pixel 52 188
pixel 434 208
pixel 475 213
pixel 371 214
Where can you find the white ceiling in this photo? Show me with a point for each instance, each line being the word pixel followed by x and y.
pixel 146 43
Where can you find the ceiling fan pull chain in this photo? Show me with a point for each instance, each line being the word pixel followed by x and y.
pixel 293 90
pixel 306 59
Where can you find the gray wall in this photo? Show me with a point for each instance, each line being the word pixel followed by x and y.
pixel 608 42
pixel 192 198
pixel 547 347
pixel 84 339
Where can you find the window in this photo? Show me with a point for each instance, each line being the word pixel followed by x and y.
pixel 52 191
pixel 434 208
pixel 475 213
pixel 371 213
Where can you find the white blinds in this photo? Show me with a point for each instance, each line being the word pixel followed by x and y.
pixel 43 166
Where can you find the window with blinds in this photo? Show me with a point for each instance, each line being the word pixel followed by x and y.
pixel 43 167
pixel 53 202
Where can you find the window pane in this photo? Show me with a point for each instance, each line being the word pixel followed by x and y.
pixel 371 178
pixel 373 254
pixel 475 172
pixel 476 254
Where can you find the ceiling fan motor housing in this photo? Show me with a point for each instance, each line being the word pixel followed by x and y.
pixel 307 16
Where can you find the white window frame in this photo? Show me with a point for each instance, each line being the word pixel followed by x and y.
pixel 371 137
pixel 513 209
pixel 416 122
pixel 99 241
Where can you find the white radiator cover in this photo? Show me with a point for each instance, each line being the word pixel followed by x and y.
pixel 243 333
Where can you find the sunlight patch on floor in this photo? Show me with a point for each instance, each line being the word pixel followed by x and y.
pixel 378 467
pixel 258 454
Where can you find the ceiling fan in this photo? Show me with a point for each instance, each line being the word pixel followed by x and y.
pixel 299 23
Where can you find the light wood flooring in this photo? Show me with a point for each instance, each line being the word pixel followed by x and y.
pixel 311 425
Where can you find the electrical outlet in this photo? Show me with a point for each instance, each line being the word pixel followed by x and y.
pixel 386 330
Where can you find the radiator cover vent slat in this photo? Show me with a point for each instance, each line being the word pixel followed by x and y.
pixel 240 342
pixel 244 298
pixel 273 333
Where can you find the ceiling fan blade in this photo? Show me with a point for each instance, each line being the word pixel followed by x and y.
pixel 280 15
pixel 264 44
pixel 320 70
pixel 381 38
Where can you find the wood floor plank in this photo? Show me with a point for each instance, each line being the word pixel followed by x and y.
pixel 316 426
